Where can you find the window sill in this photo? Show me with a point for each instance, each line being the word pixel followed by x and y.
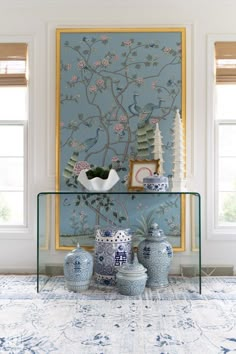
pixel 15 233
pixel 222 235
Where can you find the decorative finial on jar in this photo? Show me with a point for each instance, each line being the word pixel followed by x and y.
pixel 155 226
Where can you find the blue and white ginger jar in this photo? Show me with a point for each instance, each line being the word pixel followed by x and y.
pixel 131 278
pixel 78 269
pixel 113 248
pixel 155 253
pixel 155 183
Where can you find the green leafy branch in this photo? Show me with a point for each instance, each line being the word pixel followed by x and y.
pixel 166 206
pixel 102 204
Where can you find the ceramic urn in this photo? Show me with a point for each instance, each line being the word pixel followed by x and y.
pixel 131 278
pixel 78 269
pixel 113 248
pixel 155 253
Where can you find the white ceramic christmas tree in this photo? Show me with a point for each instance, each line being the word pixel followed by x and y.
pixel 157 148
pixel 178 155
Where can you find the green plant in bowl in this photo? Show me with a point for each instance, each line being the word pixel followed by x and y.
pixel 98 178
pixel 101 172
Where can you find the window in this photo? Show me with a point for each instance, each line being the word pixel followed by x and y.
pixel 226 154
pixel 13 135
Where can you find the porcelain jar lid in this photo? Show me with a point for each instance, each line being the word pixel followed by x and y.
pixel 77 251
pixel 134 268
pixel 155 178
pixel 156 233
pixel 112 234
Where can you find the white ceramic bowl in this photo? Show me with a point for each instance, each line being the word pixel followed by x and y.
pixel 98 184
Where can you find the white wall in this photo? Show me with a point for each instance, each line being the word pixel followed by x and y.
pixel 36 20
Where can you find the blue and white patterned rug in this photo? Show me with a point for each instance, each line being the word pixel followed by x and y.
pixel 174 320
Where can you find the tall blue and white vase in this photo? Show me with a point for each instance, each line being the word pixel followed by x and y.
pixel 113 248
pixel 78 269
pixel 155 253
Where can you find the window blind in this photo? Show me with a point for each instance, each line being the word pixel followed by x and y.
pixel 225 54
pixel 13 64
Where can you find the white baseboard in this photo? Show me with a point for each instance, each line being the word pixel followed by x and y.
pixel 17 270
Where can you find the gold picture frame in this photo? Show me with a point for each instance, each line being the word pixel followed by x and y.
pixel 138 169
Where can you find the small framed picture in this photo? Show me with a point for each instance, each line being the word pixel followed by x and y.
pixel 138 169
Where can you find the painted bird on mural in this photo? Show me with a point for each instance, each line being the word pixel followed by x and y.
pixel 145 111
pixel 90 142
pixel 134 108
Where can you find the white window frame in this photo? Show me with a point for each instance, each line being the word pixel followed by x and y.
pixel 24 124
pixel 25 231
pixel 214 231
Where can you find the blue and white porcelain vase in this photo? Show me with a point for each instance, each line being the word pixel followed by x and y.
pixel 155 183
pixel 131 278
pixel 113 248
pixel 155 253
pixel 78 269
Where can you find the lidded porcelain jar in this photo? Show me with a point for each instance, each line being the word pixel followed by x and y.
pixel 113 248
pixel 155 183
pixel 155 253
pixel 78 269
pixel 131 278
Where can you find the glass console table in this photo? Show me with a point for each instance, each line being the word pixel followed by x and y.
pixel 65 218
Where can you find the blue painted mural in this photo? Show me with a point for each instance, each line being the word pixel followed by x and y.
pixel 114 86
